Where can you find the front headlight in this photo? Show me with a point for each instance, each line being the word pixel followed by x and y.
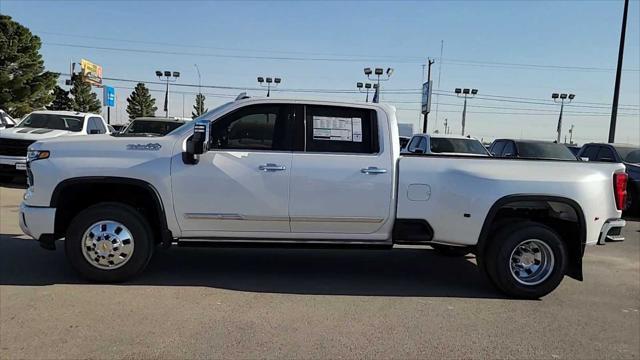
pixel 33 155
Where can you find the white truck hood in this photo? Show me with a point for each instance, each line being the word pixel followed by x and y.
pixel 26 133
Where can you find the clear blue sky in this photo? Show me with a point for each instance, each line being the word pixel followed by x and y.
pixel 580 34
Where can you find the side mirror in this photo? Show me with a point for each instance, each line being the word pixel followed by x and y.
pixel 584 158
pixel 198 144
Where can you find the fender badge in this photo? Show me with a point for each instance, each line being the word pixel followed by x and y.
pixel 147 147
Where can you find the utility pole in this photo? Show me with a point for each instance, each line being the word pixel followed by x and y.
pixel 465 93
pixel 439 75
pixel 426 114
pixel 446 129
pixel 616 91
pixel 570 135
pixel 563 97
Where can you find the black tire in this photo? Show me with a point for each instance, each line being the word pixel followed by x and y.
pixel 451 251
pixel 124 214
pixel 498 260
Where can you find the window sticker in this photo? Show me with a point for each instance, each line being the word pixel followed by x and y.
pixel 337 128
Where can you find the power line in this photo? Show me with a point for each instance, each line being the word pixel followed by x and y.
pixel 351 58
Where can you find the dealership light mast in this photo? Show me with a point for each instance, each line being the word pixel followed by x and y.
pixel 167 76
pixel 269 81
pixel 377 72
pixel 465 93
pixel 561 98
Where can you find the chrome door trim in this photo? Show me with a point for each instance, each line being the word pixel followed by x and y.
pixel 221 216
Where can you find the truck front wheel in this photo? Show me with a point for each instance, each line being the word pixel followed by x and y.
pixel 526 260
pixel 109 242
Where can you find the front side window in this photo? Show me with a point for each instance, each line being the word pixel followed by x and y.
pixel 414 143
pixel 341 130
pixel 509 149
pixel 257 127
pixel 53 122
pixel 497 147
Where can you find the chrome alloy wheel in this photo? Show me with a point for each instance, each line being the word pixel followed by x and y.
pixel 107 245
pixel 531 262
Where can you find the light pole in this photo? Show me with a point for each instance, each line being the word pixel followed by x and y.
pixel 366 86
pixel 199 79
pixel 616 90
pixel 561 98
pixel 465 93
pixel 167 77
pixel 446 128
pixel 377 72
pixel 269 81
pixel 571 134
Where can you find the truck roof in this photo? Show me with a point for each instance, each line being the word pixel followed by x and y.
pixel 262 100
pixel 67 113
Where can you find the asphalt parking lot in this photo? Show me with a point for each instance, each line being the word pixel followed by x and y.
pixel 275 303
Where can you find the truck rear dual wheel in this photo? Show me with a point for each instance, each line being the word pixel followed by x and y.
pixel 526 260
pixel 109 242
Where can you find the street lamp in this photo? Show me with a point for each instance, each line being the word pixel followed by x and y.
pixel 366 86
pixel 268 81
pixel 465 93
pixel 561 98
pixel 377 72
pixel 167 76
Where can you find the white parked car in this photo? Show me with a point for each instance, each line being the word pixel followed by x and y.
pixel 40 125
pixel 300 172
pixel 438 144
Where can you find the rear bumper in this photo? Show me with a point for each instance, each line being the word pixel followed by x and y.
pixel 612 231
pixel 37 221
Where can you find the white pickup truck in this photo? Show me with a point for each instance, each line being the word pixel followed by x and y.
pixel 314 172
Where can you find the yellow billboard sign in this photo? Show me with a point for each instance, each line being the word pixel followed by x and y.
pixel 91 73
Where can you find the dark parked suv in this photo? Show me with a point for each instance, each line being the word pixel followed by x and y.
pixel 531 149
pixel 629 155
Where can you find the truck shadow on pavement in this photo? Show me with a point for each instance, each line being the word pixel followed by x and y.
pixel 400 272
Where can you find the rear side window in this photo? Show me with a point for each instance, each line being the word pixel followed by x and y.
pixel 591 151
pixel 257 127
pixel 341 130
pixel 96 125
pixel 605 154
pixel 509 149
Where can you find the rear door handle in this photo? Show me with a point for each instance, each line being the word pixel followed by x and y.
pixel 272 167
pixel 372 170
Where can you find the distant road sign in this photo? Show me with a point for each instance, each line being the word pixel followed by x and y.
pixel 109 93
pixel 91 73
pixel 426 97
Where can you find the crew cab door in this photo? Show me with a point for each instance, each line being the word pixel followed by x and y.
pixel 342 182
pixel 242 183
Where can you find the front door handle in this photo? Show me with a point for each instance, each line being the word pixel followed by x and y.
pixel 372 170
pixel 271 167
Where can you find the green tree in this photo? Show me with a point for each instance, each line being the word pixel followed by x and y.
pixel 140 102
pixel 84 100
pixel 24 85
pixel 61 100
pixel 198 108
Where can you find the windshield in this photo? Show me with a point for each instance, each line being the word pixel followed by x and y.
pixel 463 146
pixel 544 151
pixel 629 154
pixel 155 127
pixel 53 121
